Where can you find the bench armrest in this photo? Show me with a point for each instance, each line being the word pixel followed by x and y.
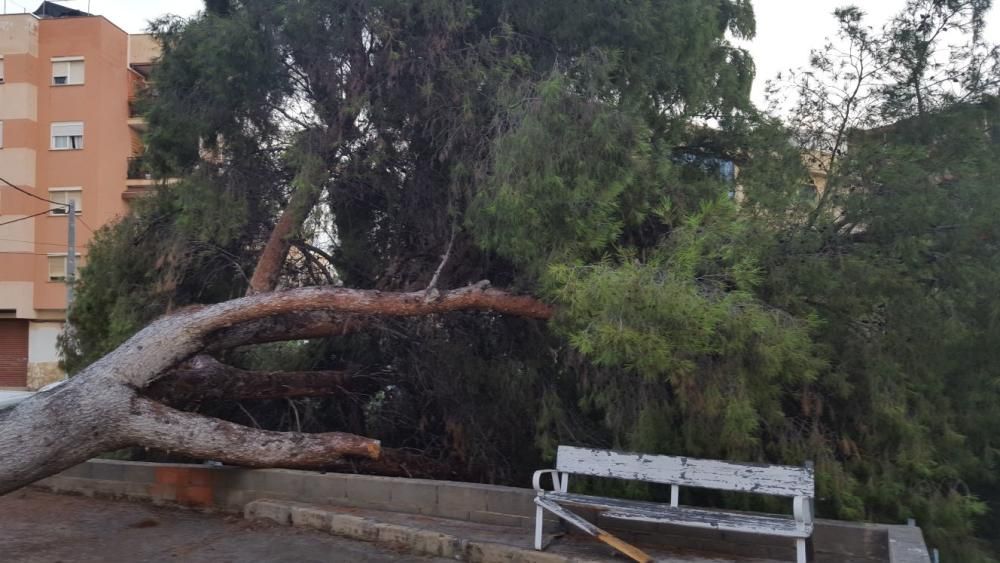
pixel 557 483
pixel 802 508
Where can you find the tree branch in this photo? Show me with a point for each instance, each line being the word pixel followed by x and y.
pixel 99 410
pixel 432 286
pixel 320 312
pixel 208 380
pixel 265 274
pixel 312 261
pixel 290 326
pixel 154 425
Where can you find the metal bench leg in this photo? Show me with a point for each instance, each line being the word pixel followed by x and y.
pixel 804 551
pixel 539 524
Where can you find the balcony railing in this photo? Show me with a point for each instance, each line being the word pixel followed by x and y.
pixel 137 169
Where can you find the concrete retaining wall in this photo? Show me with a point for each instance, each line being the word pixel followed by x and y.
pixel 231 489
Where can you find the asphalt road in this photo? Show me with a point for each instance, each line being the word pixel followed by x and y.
pixel 37 527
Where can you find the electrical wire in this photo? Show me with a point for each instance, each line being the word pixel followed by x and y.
pixel 29 194
pixel 63 245
pixel 46 212
pixel 38 254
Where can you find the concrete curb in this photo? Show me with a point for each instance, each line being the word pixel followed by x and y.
pixel 414 540
pixel 230 489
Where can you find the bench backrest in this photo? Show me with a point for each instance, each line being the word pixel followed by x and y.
pixel 778 480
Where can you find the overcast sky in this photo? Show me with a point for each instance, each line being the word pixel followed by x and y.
pixel 786 29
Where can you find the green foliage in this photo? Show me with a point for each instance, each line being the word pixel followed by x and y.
pixel 558 179
pixel 683 328
pixel 895 258
pixel 561 148
pixel 186 244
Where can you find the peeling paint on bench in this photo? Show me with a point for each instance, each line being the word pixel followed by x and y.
pixel 798 483
pixel 761 524
pixel 778 480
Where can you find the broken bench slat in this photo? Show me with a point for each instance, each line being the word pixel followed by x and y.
pixel 592 530
pixel 687 516
pixel 797 483
pixel 778 480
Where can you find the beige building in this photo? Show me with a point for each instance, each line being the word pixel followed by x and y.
pixel 66 134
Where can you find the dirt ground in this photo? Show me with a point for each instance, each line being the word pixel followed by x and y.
pixel 38 527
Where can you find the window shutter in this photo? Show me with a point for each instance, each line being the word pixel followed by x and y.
pixel 67 129
pixel 58 197
pixel 60 73
pixel 68 70
pixel 67 136
pixel 76 71
pixel 64 196
pixel 57 268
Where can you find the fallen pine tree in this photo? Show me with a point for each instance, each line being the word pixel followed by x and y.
pixel 104 408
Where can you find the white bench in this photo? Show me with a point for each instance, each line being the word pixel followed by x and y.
pixel 797 483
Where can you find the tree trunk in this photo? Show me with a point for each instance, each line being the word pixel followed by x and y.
pixel 100 409
pixel 265 274
pixel 60 428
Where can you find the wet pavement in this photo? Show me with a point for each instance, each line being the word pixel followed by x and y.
pixel 38 527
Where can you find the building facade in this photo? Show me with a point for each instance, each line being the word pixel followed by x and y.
pixel 66 134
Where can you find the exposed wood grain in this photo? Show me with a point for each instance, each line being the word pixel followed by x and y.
pixel 628 549
pixel 779 480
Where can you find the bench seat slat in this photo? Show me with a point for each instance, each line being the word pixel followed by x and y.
pixel 686 516
pixel 780 480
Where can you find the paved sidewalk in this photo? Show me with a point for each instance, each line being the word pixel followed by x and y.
pixel 37 527
pixel 462 540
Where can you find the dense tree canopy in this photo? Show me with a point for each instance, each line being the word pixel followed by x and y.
pixel 578 151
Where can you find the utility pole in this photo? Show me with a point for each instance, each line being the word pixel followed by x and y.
pixel 71 254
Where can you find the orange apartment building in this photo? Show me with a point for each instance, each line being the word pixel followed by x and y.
pixel 65 134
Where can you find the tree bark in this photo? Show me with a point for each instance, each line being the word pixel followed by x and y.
pixel 154 425
pixel 271 260
pixel 100 409
pixel 290 326
pixel 60 428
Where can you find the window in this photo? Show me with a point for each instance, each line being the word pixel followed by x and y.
pixel 57 267
pixel 2 75
pixel 64 196
pixel 67 136
pixel 67 71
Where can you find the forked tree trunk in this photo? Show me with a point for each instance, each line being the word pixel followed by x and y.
pixel 100 409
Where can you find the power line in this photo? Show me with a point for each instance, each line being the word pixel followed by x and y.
pixel 62 245
pixel 29 194
pixel 25 218
pixel 4 180
pixel 36 253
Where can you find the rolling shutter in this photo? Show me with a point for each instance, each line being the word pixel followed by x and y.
pixel 13 353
